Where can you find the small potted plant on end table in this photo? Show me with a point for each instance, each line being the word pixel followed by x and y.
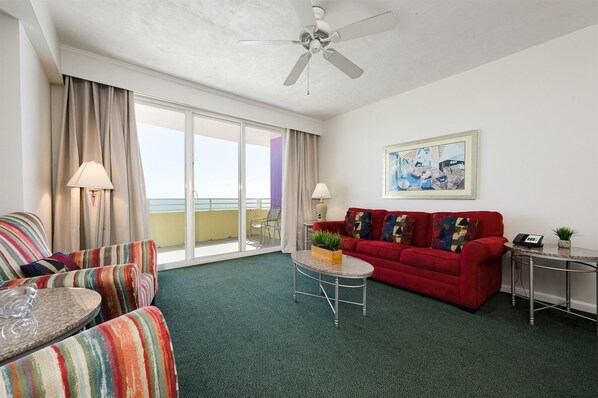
pixel 325 247
pixel 564 234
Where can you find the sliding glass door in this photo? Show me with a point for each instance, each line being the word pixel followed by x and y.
pixel 162 143
pixel 213 183
pixel 263 182
pixel 216 182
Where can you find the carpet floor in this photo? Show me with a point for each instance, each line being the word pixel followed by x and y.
pixel 237 332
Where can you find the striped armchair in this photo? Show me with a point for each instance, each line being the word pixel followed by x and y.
pixel 125 275
pixel 130 356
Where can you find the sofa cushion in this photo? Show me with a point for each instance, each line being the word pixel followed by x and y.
pixel 358 224
pixel 377 220
pixel 348 243
pixel 452 233
pixel 398 229
pixel 381 249
pixel 436 260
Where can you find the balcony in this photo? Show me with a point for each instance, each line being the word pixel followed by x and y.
pixel 216 226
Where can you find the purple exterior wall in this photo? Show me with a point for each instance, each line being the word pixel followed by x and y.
pixel 276 172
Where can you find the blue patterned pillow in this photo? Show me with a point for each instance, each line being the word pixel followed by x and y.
pixel 358 224
pixel 398 229
pixel 55 264
pixel 452 233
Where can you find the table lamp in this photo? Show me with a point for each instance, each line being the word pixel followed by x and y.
pixel 93 176
pixel 321 192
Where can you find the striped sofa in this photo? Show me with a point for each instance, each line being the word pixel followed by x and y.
pixel 125 275
pixel 130 356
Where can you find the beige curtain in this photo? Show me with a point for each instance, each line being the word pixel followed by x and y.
pixel 300 179
pixel 99 124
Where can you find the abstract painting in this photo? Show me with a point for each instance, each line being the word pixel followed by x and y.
pixel 435 168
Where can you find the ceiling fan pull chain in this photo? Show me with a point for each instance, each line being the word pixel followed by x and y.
pixel 307 79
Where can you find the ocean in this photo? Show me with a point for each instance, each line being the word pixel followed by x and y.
pixel 205 204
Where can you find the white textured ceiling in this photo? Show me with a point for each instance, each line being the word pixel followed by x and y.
pixel 196 40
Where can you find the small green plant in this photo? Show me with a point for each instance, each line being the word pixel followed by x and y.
pixel 564 233
pixel 326 240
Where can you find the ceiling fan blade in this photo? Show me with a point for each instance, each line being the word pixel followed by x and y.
pixel 343 63
pixel 365 27
pixel 297 69
pixel 305 12
pixel 262 42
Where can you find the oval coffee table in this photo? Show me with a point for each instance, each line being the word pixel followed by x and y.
pixel 350 268
pixel 56 314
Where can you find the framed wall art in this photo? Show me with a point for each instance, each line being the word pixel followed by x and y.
pixel 434 168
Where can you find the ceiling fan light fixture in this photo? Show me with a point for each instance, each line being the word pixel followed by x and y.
pixel 317 36
pixel 315 46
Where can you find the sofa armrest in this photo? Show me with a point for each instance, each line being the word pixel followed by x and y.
pixel 130 356
pixel 484 249
pixel 336 227
pixel 117 284
pixel 142 253
pixel 481 270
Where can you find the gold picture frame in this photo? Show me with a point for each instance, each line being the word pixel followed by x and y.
pixel 435 168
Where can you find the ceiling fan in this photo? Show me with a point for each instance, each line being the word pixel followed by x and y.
pixel 317 36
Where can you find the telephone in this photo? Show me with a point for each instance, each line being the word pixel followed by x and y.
pixel 528 240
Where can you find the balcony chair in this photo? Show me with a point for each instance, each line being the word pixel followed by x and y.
pixel 269 224
pixel 125 275
pixel 130 356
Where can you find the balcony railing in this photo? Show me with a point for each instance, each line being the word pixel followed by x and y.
pixel 168 205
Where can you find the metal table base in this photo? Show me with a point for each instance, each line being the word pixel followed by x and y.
pixel 517 257
pixel 332 301
pixel 327 275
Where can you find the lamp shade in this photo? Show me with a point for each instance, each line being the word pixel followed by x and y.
pixel 91 175
pixel 321 192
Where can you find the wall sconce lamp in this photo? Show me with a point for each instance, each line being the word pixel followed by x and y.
pixel 321 192
pixel 93 176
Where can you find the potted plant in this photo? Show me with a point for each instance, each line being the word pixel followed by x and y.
pixel 325 247
pixel 564 234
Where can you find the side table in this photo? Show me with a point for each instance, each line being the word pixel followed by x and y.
pixel 575 255
pixel 56 314
pixel 308 229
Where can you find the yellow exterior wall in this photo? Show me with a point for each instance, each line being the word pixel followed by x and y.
pixel 168 229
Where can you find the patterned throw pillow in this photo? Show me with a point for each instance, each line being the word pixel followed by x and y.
pixel 358 224
pixel 55 264
pixel 398 229
pixel 452 233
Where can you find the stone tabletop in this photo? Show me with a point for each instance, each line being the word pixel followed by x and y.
pixel 574 253
pixel 350 267
pixel 56 314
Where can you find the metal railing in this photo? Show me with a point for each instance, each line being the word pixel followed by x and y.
pixel 170 205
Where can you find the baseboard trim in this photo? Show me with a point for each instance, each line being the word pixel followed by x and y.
pixel 550 298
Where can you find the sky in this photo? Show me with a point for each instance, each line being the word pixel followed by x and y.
pixel 216 165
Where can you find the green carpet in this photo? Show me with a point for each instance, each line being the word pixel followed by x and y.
pixel 237 333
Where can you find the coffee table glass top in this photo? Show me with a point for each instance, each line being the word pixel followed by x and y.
pixel 351 267
pixel 57 313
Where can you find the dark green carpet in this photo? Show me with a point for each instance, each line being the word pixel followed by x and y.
pixel 237 333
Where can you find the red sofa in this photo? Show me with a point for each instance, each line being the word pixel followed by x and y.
pixel 467 279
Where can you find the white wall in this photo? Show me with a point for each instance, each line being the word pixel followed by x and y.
pixel 35 135
pixel 538 145
pixel 25 157
pixel 11 173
